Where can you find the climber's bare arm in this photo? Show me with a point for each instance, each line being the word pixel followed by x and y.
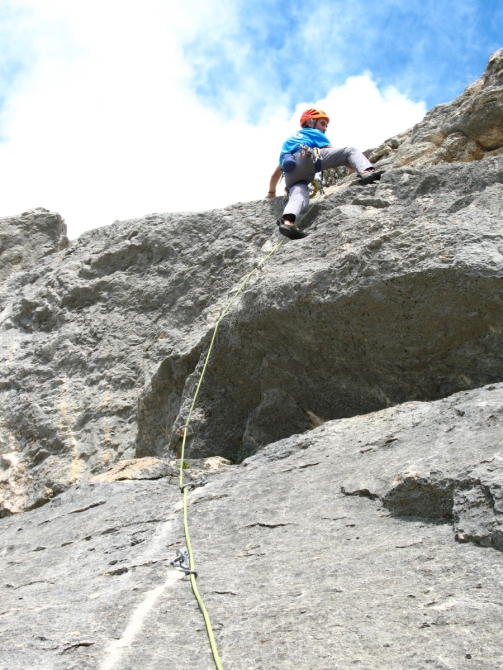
pixel 275 177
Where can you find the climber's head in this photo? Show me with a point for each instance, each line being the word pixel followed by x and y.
pixel 314 118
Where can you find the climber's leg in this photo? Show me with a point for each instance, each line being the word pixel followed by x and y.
pixel 345 157
pixel 297 181
pixel 352 158
pixel 298 202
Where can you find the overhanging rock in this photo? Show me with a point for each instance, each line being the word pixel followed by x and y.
pixel 103 343
pixel 377 307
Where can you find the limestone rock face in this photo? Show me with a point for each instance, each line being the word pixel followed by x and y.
pixel 467 129
pixel 103 343
pixel 138 468
pixel 380 306
pixel 97 343
pixel 344 456
pixel 369 541
pixel 27 238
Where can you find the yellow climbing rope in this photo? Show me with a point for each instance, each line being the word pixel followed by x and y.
pixel 192 570
pixel 229 305
pixel 199 599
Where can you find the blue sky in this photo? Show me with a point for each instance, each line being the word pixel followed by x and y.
pixel 103 104
pixel 13 59
pixel 429 50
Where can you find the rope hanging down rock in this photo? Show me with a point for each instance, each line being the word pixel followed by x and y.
pixel 181 562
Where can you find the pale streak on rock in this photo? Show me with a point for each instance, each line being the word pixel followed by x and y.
pixel 116 648
pixel 12 351
pixel 14 483
pixel 67 420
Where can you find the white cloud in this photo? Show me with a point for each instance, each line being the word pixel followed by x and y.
pixel 106 127
pixel 362 115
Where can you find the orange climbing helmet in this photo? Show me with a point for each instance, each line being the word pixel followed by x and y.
pixel 313 114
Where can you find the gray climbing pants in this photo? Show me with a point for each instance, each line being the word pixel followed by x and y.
pixel 303 172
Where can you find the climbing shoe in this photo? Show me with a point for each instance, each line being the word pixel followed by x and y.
pixel 292 232
pixel 370 177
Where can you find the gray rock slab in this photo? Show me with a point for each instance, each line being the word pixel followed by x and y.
pixel 313 552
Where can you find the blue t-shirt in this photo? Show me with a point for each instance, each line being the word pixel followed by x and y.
pixel 309 137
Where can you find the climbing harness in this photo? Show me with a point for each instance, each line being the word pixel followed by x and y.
pixel 314 152
pixel 184 560
pixel 315 186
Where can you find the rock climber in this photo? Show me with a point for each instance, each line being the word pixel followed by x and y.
pixel 302 155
